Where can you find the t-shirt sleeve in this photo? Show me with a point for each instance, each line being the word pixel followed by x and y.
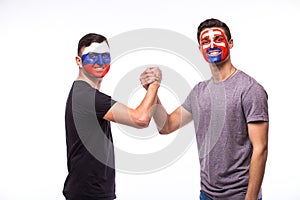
pixel 103 103
pixel 255 104
pixel 188 103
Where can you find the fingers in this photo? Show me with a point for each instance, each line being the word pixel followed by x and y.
pixel 157 74
pixel 150 75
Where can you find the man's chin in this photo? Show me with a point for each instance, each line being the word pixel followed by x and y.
pixel 215 61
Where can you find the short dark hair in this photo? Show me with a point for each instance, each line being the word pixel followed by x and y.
pixel 88 39
pixel 209 23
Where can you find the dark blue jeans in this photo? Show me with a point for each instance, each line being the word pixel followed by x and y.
pixel 203 196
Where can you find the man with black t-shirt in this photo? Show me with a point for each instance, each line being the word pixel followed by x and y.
pixel 90 149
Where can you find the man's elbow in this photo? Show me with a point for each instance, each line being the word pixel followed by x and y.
pixel 142 123
pixel 163 128
pixel 164 131
pixel 261 151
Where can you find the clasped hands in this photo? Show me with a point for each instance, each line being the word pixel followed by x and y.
pixel 152 75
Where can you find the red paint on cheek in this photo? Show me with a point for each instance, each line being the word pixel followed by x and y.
pixel 204 50
pixel 105 71
pixel 225 51
pixel 96 72
pixel 204 47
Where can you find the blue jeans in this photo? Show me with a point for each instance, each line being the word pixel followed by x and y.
pixel 203 196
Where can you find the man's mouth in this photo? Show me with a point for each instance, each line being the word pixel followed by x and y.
pixel 98 67
pixel 213 52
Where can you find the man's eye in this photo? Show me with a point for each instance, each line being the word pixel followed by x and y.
pixel 93 56
pixel 220 39
pixel 105 55
pixel 204 42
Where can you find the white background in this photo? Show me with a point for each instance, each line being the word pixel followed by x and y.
pixel 38 42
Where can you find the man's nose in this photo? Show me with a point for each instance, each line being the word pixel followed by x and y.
pixel 212 45
pixel 100 60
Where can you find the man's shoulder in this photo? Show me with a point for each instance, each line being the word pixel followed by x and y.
pixel 202 84
pixel 85 87
pixel 247 83
pixel 244 76
pixel 245 79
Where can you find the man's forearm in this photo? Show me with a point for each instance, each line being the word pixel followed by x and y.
pixel 256 173
pixel 145 109
pixel 160 116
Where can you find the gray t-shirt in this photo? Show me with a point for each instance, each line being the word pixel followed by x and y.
pixel 221 112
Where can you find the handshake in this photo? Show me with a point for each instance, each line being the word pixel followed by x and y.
pixel 152 75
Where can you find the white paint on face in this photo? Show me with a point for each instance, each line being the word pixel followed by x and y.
pixel 211 34
pixel 97 48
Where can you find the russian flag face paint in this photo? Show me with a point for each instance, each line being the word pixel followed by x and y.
pixel 214 45
pixel 96 59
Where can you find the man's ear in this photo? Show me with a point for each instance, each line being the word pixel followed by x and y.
pixel 78 61
pixel 200 48
pixel 230 43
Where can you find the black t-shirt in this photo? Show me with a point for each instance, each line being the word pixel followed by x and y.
pixel 90 149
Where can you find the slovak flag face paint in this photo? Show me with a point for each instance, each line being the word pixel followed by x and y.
pixel 214 45
pixel 96 59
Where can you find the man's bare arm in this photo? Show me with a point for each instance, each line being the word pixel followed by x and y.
pixel 168 123
pixel 258 134
pixel 140 116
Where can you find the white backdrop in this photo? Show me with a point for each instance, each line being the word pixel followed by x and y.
pixel 38 41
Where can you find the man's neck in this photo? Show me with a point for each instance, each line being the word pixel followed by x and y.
pixel 221 72
pixel 94 82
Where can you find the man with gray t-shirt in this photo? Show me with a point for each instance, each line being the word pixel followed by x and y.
pixel 230 115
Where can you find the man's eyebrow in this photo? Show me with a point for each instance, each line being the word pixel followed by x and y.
pixel 219 36
pixel 206 38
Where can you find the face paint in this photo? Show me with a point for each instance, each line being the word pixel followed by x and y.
pixel 97 48
pixel 214 45
pixel 96 59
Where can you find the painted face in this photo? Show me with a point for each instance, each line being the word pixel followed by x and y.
pixel 214 45
pixel 96 59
